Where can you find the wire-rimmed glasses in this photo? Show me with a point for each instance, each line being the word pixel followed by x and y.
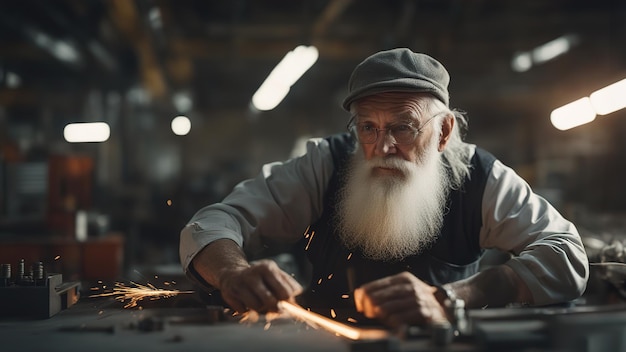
pixel 402 133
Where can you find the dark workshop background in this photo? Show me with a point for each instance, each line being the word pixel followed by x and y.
pixel 138 64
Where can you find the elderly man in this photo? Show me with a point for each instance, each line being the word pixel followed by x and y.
pixel 397 214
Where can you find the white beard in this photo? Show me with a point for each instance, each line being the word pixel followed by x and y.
pixel 392 217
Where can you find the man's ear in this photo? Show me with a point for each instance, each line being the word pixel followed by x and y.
pixel 446 131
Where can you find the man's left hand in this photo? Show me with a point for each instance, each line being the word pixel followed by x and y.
pixel 401 299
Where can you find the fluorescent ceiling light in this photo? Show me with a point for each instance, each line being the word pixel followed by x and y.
pixel 552 49
pixel 523 61
pixel 610 98
pixel 85 132
pixel 61 49
pixel 574 114
pixel 601 102
pixel 276 86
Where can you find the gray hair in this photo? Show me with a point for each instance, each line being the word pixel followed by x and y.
pixel 457 154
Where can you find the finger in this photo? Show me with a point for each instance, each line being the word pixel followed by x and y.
pixel 269 301
pixel 369 304
pixel 278 284
pixel 411 311
pixel 383 310
pixel 294 285
pixel 251 299
pixel 366 305
pixel 404 318
pixel 264 296
pixel 235 304
pixel 394 292
pixel 284 287
pixel 281 284
pixel 385 282
pixel 359 296
pixel 274 284
pixel 421 316
pixel 399 305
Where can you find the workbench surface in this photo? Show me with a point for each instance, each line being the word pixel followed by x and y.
pixel 99 325
pixel 103 324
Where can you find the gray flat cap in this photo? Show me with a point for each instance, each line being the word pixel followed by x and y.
pixel 398 70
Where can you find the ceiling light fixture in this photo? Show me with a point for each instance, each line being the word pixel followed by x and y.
pixel 63 50
pixel 181 125
pixel 574 114
pixel 524 61
pixel 610 98
pixel 283 76
pixel 85 132
pixel 601 102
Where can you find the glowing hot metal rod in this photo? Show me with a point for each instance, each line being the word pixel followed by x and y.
pixel 338 328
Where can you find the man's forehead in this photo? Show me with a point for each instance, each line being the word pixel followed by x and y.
pixel 398 111
pixel 405 104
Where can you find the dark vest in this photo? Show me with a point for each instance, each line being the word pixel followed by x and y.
pixel 337 271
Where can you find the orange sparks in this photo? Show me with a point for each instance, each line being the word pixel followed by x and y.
pixel 349 256
pixel 332 313
pixel 330 276
pixel 345 296
pixel 169 202
pixel 252 316
pixel 319 281
pixel 309 242
pixel 352 320
pixel 57 257
pixel 138 292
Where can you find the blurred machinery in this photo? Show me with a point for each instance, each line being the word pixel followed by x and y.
pixel 34 293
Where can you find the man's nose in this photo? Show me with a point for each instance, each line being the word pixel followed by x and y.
pixel 385 143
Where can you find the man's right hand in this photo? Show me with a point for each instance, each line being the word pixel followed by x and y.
pixel 258 287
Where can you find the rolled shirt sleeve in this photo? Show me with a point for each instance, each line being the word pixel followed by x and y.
pixel 278 204
pixel 548 252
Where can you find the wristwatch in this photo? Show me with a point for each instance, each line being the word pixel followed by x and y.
pixel 454 308
pixel 451 303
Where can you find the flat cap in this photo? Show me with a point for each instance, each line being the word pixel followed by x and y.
pixel 398 70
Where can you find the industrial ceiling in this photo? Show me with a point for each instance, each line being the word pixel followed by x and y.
pixel 220 51
pixel 129 63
